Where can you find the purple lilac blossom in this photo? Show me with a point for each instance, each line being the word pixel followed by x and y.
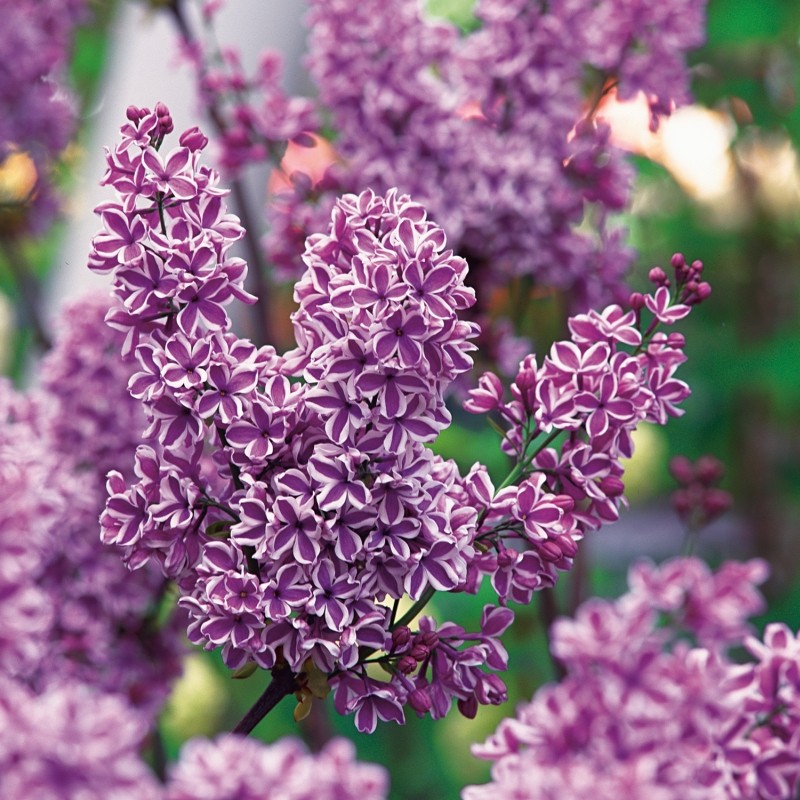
pixel 296 515
pixel 37 114
pixel 234 768
pixel 589 394
pixel 71 742
pixel 642 712
pixel 491 130
pixel 84 616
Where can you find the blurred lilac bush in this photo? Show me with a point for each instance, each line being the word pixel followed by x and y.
pixel 660 709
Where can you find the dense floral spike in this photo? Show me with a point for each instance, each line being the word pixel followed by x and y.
pixel 71 743
pixel 82 614
pixel 643 713
pixel 296 516
pixel 37 115
pixel 586 398
pixel 233 768
pixel 450 119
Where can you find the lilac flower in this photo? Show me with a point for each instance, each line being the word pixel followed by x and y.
pixel 641 710
pixel 171 175
pixel 234 768
pixel 72 742
pixel 296 516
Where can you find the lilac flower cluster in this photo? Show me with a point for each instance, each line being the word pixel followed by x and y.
pixel 73 742
pixel 296 516
pixel 72 608
pixel 699 501
pixel 233 768
pixel 644 713
pixel 587 396
pixel 36 112
pixel 490 130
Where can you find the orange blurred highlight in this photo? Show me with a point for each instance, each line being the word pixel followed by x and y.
pixel 312 161
pixel 18 178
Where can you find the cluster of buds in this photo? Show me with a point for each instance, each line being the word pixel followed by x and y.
pixel 699 500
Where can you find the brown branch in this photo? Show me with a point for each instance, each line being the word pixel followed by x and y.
pixel 283 683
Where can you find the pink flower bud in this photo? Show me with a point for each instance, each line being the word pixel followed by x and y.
pixel 681 469
pixel 709 470
pixel 550 551
pixel 636 301
pixel 678 261
pixel 419 652
pixel 715 503
pixel 568 546
pixel 429 639
pixel 612 486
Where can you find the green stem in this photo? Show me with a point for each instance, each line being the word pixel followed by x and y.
pixel 416 608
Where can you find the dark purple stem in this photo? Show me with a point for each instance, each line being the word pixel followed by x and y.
pixel 283 683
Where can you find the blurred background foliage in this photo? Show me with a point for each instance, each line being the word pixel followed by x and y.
pixel 719 182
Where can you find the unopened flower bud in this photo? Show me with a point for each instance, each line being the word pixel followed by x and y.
pixel 564 502
pixel 703 291
pixel 134 113
pixel 420 701
pixel 715 503
pixel 678 260
pixel 568 546
pixel 468 707
pixel 681 469
pixel 550 551
pixel 709 470
pixel 682 502
pixel 194 139
pixel 407 664
pixel 612 486
pixel 429 639
pixel 636 301
pixel 401 636
pixel 658 277
pixel 419 652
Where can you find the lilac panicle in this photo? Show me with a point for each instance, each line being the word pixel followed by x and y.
pixel 492 130
pixel 568 425
pixel 292 514
pixel 642 712
pixel 233 768
pixel 73 610
pixel 293 498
